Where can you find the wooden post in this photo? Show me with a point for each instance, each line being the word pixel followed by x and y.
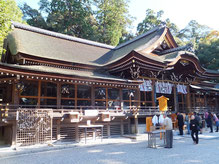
pixel 58 129
pixel 136 123
pixel 59 95
pixel 176 105
pixel 122 127
pixel 216 102
pixel 205 100
pixel 129 126
pixel 120 98
pixel 92 96
pixel 15 95
pixel 14 133
pixel 39 93
pixel 188 99
pixel 77 133
pixel 153 93
pixel 51 125
pixel 108 130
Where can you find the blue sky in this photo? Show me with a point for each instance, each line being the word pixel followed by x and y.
pixel 180 12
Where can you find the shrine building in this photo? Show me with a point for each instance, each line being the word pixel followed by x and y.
pixel 51 84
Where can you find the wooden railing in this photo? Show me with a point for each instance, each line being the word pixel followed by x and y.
pixel 11 110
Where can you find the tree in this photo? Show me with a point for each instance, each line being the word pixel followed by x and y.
pixel 33 17
pixel 208 50
pixel 113 19
pixel 72 17
pixel 193 33
pixel 153 20
pixel 9 11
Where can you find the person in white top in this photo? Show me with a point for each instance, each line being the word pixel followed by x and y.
pixel 169 133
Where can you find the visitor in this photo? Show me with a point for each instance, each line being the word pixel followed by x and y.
pixel 180 123
pixel 210 122
pixel 216 121
pixel 194 127
pixel 200 123
pixel 187 122
pixel 168 125
pixel 198 118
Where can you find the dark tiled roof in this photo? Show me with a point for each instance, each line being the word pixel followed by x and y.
pixel 59 35
pixel 43 43
pixel 137 44
pixel 67 72
pixel 40 45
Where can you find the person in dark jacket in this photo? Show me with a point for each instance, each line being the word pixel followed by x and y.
pixel 194 127
pixel 210 122
pixel 180 123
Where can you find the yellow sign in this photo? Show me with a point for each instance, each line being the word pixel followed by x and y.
pixel 162 103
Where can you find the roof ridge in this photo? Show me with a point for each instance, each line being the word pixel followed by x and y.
pixel 138 37
pixel 59 35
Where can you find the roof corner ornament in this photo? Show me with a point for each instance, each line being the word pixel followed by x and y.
pixel 134 71
pixel 190 48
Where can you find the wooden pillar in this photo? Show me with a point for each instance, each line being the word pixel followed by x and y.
pixel 39 93
pixel 176 104
pixel 216 102
pixel 51 124
pixel 205 100
pixel 136 124
pixel 120 98
pixel 92 96
pixel 153 93
pixel 122 127
pixel 188 99
pixel 194 104
pixel 77 133
pixel 14 133
pixel 129 126
pixel 15 95
pixel 58 95
pixel 58 122
pixel 108 130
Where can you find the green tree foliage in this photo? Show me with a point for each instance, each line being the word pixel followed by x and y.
pixel 113 19
pixel 193 33
pixel 33 17
pixel 208 51
pixel 105 22
pixel 152 20
pixel 72 17
pixel 9 11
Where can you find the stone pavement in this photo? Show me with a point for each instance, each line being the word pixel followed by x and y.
pixel 123 143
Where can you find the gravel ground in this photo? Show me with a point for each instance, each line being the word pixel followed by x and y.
pixel 123 151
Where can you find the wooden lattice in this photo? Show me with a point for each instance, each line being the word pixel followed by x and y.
pixel 33 126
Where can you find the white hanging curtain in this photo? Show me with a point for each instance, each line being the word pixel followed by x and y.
pixel 162 87
pixel 182 89
pixel 146 85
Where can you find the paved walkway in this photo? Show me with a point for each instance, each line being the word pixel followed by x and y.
pixel 117 151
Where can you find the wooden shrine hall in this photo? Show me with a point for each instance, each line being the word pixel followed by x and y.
pixel 51 84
